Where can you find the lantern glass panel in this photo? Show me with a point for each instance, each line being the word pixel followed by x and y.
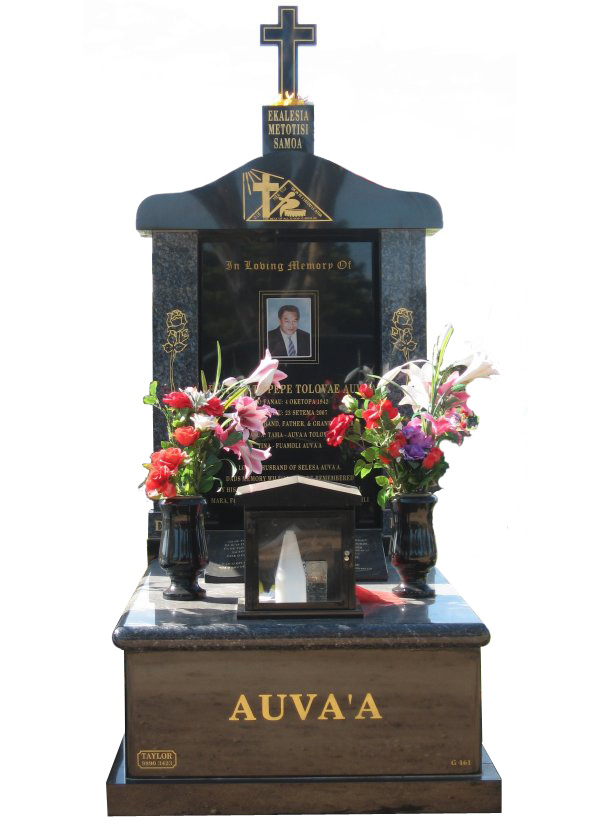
pixel 299 558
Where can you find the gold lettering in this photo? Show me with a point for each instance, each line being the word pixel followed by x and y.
pixel 266 710
pixel 331 707
pixel 242 707
pixel 297 701
pixel 368 705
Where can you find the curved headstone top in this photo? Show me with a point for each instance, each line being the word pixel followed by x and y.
pixel 290 190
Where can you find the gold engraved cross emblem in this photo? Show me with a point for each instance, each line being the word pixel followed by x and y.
pixel 281 201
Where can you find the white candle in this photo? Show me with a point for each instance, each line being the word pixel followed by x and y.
pixel 290 579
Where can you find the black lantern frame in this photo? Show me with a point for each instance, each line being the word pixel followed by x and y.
pixel 313 523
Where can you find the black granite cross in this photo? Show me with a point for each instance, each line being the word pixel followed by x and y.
pixel 287 35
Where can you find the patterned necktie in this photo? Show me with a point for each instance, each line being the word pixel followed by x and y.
pixel 291 348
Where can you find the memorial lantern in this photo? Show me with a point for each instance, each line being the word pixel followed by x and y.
pixel 300 548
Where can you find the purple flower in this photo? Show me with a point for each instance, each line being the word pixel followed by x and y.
pixel 417 445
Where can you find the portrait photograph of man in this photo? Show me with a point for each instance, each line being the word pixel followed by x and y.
pixel 289 327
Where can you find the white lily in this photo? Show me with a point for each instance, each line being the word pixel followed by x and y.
pixel 417 392
pixel 390 376
pixel 478 366
pixel 203 421
pixel 349 402
pixel 198 397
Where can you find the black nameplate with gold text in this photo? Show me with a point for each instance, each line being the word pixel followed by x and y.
pixel 290 127
pixel 330 284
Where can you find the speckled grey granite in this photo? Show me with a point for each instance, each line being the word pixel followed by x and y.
pixel 150 622
pixel 402 257
pixel 174 287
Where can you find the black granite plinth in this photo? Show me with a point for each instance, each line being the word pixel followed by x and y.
pixel 480 793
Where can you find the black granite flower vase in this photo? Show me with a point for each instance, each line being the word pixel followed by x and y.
pixel 412 548
pixel 183 552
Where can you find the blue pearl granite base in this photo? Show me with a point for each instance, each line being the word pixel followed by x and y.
pixel 149 621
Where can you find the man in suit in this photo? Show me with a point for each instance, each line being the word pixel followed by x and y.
pixel 287 340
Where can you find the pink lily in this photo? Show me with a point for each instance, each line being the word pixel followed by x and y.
pixel 439 426
pixel 266 374
pixel 250 416
pixel 253 458
pixel 222 434
pixel 451 380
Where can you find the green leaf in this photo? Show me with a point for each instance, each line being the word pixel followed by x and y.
pixel 153 387
pixel 234 437
pixel 370 454
pixel 382 498
pixel 360 464
pixel 370 436
pixel 382 481
pixel 205 485
pixel 218 375
pixel 366 471
pixel 165 444
pixel 232 465
pixel 150 400
pixel 204 382
pixel 352 438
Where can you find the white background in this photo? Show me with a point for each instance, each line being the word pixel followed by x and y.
pixel 488 106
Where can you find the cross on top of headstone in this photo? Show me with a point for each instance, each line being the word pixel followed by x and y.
pixel 287 35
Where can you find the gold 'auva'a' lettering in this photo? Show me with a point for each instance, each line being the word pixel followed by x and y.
pixel 331 709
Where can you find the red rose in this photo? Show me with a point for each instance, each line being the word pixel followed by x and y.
pixel 186 435
pixel 337 429
pixel 158 478
pixel 177 399
pixel 434 456
pixel 170 457
pixel 365 391
pixel 169 490
pixel 386 405
pixel 397 445
pixel 166 489
pixel 372 414
pixel 384 458
pixel 213 407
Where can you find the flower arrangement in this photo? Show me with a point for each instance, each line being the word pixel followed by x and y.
pixel 202 423
pixel 403 452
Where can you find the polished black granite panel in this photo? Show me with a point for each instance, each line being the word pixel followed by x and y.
pixel 151 622
pixel 328 195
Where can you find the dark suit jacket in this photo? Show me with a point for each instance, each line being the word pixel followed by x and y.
pixel 278 349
